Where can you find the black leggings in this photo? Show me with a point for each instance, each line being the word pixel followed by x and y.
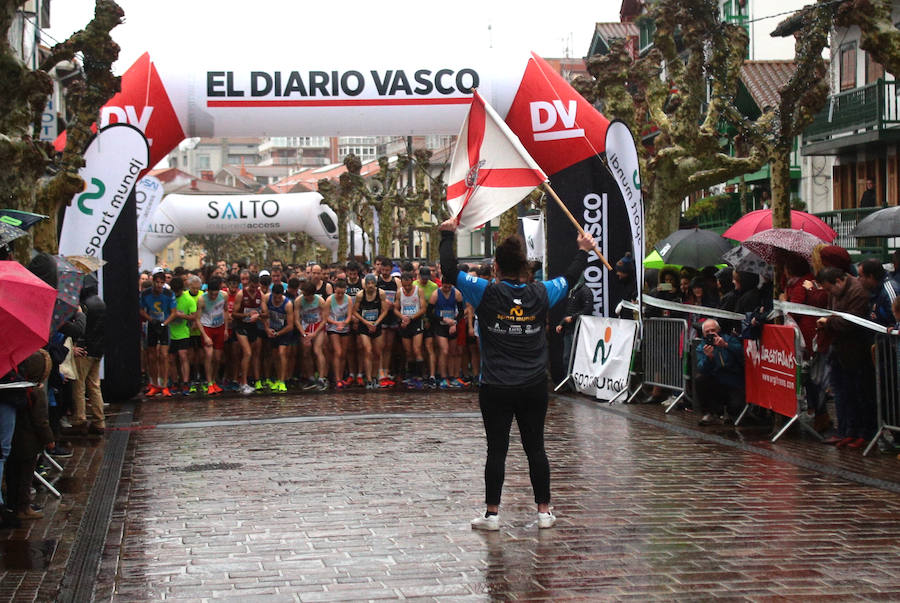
pixel 529 406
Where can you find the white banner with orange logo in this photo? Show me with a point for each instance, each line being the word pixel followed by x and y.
pixel 602 356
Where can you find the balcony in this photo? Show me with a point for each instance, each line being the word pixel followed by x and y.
pixel 855 118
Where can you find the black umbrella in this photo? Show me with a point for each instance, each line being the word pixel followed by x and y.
pixel 882 223
pixel 20 219
pixel 693 247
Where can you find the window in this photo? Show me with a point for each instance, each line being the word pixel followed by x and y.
pixel 202 162
pixel 647 30
pixel 874 70
pixel 848 66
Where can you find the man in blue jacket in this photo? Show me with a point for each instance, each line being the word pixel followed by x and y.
pixel 719 382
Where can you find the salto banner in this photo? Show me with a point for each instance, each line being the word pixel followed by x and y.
pixel 602 356
pixel 179 215
pixel 113 163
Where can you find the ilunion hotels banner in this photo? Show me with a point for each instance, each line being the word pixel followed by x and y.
pixel 113 163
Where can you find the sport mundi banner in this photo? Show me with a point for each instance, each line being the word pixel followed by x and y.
pixel 113 163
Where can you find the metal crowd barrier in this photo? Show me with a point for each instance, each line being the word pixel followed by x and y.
pixel 887 386
pixel 664 346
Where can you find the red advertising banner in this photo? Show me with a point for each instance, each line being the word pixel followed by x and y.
pixel 770 370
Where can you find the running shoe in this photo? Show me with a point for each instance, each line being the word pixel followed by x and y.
pixel 385 382
pixel 187 391
pixel 431 383
pixel 340 385
pixel 490 523
pixel 166 392
pixel 259 386
pixel 322 385
pixel 360 382
pixel 153 391
pixel 193 388
pixel 247 389
pixel 546 520
pixel 371 384
pixel 270 384
pixel 211 389
pixel 348 382
pixel 443 384
pixel 417 383
pixel 460 383
pixel 310 385
pixel 282 386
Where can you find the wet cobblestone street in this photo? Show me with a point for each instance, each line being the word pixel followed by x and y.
pixel 362 496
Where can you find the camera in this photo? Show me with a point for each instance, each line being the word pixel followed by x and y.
pixel 709 339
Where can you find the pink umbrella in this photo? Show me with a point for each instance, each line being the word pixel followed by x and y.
pixel 26 305
pixel 771 244
pixel 761 219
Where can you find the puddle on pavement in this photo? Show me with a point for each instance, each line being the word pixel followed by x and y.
pixel 26 554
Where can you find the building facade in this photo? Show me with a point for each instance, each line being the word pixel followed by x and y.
pixel 859 127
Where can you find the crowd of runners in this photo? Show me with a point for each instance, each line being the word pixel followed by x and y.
pixel 240 329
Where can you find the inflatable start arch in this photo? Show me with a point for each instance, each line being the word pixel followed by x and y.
pixel 567 137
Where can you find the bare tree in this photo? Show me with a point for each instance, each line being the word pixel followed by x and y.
pixel 34 177
pixel 680 93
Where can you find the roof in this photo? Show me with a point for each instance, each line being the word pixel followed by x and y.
pixel 199 186
pixel 309 177
pixel 612 31
pixel 764 80
pixel 169 174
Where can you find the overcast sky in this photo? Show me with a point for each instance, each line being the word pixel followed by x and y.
pixel 298 28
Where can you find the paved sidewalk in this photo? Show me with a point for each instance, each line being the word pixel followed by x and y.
pixel 361 496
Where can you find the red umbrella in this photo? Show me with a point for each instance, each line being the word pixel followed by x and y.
pixel 26 305
pixel 761 219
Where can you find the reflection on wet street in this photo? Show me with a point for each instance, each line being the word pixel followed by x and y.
pixel 369 496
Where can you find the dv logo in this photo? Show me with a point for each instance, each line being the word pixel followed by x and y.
pixel 544 116
pixel 87 196
pixel 516 311
pixel 603 349
pixel 127 114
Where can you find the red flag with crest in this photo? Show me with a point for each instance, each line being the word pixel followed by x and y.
pixel 490 171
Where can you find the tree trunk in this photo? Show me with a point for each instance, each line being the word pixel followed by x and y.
pixel 780 170
pixel 385 227
pixel 661 219
pixel 509 224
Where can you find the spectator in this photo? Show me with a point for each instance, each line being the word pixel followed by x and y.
pixel 725 283
pixel 869 198
pixel 579 302
pixel 895 274
pixel 852 371
pixel 882 291
pixel 625 272
pixel 32 434
pixel 719 383
pixel 88 352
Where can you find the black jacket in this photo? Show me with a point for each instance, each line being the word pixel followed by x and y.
pixel 579 302
pixel 93 339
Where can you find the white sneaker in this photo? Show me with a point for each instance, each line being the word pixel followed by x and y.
pixel 247 389
pixel 546 520
pixel 490 523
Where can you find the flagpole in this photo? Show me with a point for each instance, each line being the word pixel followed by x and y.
pixel 550 190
